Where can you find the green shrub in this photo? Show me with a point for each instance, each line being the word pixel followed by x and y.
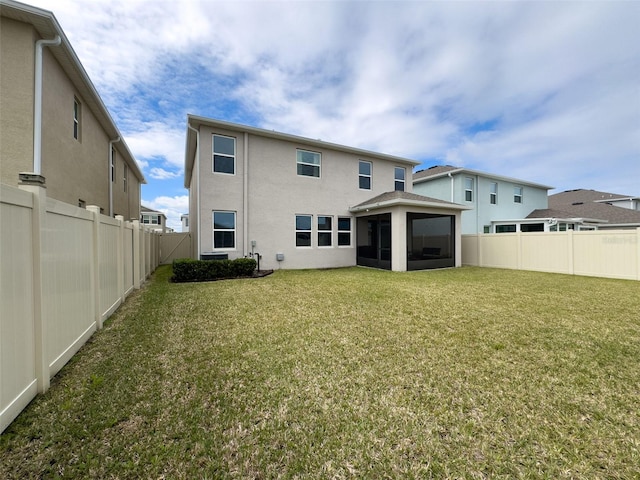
pixel 188 270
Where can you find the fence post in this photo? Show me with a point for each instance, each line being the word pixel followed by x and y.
pixel 136 254
pixel 95 263
pixel 120 256
pixel 571 259
pixel 638 253
pixel 35 184
pixel 519 249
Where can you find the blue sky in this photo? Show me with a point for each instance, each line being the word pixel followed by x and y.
pixel 543 91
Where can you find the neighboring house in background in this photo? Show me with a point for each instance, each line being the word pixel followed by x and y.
pixel 54 124
pixel 582 209
pixel 154 219
pixel 491 199
pixel 303 203
pixel 184 219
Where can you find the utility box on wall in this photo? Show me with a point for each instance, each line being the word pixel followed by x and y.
pixel 280 257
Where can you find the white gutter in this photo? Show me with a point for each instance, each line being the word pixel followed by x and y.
pixel 37 108
pixel 245 197
pixel 451 177
pixel 111 180
pixel 196 167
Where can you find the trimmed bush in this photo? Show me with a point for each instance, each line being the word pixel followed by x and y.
pixel 188 270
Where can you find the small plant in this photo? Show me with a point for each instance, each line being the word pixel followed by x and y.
pixel 188 270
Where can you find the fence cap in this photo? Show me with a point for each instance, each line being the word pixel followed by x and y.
pixel 30 178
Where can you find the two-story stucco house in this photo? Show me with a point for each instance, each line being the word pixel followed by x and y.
pixel 493 201
pixel 304 203
pixel 53 125
pixel 154 219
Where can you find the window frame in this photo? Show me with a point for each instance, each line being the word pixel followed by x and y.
pixel 493 193
pixel 215 154
pixel 323 232
pixel 214 230
pixel 342 232
pixel 398 181
pixel 300 163
pixel 364 176
pixel 304 230
pixel 518 194
pixel 468 191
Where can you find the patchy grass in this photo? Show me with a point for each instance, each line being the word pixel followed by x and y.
pixel 350 373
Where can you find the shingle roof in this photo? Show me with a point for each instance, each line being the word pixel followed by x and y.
pixel 442 170
pixel 433 171
pixel 398 197
pixel 581 195
pixel 584 204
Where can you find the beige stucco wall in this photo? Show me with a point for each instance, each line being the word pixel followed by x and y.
pixel 17 47
pixel 125 203
pixel 74 169
pixel 275 194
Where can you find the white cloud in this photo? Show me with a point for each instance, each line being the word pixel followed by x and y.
pixel 162 174
pixel 156 140
pixel 172 207
pixel 546 91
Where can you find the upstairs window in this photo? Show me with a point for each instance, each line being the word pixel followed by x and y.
pixel 344 231
pixel 76 118
pixel 151 219
pixel 468 189
pixel 303 230
pixel 517 194
pixel 493 193
pixel 224 154
pixel 399 175
pixel 224 229
pixel 325 231
pixel 364 175
pixel 308 163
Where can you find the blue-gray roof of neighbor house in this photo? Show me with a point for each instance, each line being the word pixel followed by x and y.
pixel 444 170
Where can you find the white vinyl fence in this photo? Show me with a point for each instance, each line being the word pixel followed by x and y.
pixel 599 253
pixel 63 271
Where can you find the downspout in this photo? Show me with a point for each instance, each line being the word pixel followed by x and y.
pixel 451 177
pixel 477 201
pixel 111 179
pixel 196 167
pixel 245 197
pixel 37 108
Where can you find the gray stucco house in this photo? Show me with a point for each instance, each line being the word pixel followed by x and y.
pixel 304 203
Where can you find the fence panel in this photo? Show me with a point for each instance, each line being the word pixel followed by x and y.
pixel 607 253
pixel 68 281
pixel 499 251
pixel 600 253
pixel 18 382
pixel 110 296
pixel 174 246
pixel 545 252
pixel 63 270
pixel 128 258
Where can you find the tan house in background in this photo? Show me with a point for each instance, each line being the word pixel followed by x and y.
pixel 154 219
pixel 53 123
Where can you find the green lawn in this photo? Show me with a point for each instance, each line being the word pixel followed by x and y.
pixel 349 373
